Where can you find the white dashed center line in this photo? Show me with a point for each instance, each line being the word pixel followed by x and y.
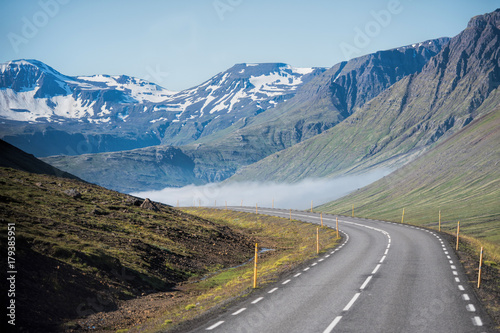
pixel 351 302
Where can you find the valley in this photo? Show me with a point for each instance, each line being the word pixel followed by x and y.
pixel 375 180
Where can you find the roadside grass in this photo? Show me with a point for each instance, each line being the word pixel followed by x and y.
pixel 286 245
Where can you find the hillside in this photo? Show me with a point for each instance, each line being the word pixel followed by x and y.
pixel 83 249
pixel 322 102
pixel 12 157
pixel 453 88
pixel 460 177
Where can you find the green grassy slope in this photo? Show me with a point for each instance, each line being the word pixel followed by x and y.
pixel 460 177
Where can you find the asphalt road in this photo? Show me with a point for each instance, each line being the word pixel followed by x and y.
pixel 384 277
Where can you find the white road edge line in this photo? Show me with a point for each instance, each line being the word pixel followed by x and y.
pixel 477 321
pixel 239 311
pixel 215 325
pixel 471 308
pixel 258 300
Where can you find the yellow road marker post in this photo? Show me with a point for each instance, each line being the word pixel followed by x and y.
pixel 337 223
pixel 458 233
pixel 177 203
pixel 273 203
pixel 226 204
pixel 255 266
pixel 317 240
pixel 290 214
pixel 403 217
pixel 311 206
pixel 480 264
pixel 256 209
pixel 440 220
pixel 321 215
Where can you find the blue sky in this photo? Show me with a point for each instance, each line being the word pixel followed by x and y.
pixel 179 44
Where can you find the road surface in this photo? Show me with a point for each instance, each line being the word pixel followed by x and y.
pixel 384 277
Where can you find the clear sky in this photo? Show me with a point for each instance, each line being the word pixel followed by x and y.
pixel 179 44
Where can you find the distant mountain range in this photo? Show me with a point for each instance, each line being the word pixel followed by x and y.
pixel 108 113
pixel 283 124
pixel 321 103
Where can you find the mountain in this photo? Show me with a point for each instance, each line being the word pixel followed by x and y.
pixel 460 176
pixel 134 170
pixel 241 92
pixel 456 86
pixel 75 115
pixel 324 101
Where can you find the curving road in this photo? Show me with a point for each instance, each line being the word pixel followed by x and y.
pixel 384 277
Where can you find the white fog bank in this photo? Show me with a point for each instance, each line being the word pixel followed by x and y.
pixel 295 196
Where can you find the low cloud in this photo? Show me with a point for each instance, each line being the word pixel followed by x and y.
pixel 296 196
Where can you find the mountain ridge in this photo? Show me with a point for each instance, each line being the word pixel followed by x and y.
pixel 404 120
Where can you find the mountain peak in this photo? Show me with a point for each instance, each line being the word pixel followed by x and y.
pixel 481 21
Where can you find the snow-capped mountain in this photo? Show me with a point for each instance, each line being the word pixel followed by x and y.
pixel 242 91
pixel 32 91
pixel 32 94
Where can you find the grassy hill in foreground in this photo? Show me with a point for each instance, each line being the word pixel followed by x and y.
pixel 460 177
pixel 82 249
